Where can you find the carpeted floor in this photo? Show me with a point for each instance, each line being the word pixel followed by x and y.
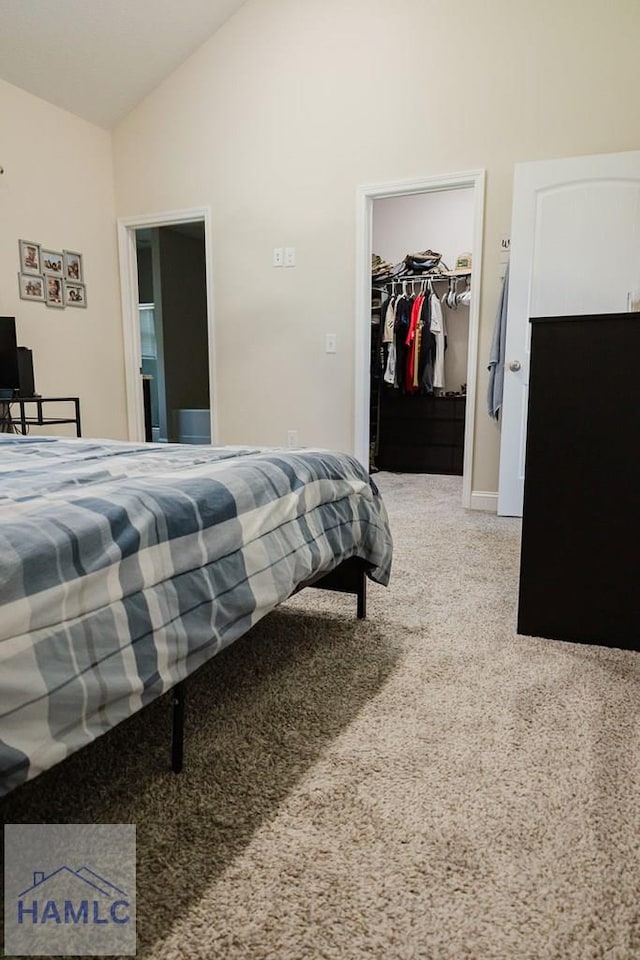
pixel 426 784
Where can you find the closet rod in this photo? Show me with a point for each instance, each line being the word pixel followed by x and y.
pixel 426 278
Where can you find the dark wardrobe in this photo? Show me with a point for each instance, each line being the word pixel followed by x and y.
pixel 580 560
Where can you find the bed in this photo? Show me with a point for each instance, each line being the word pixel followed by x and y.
pixel 125 567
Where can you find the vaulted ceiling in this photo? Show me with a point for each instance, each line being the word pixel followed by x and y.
pixel 99 58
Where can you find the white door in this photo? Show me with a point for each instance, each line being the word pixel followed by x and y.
pixel 575 249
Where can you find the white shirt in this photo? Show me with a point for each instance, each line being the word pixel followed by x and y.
pixel 438 329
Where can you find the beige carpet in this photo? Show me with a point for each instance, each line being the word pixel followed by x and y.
pixel 423 785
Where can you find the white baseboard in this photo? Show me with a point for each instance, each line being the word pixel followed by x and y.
pixel 484 500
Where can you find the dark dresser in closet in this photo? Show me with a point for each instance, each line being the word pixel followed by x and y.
pixel 580 559
pixel 421 433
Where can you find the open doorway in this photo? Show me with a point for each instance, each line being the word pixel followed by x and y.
pixel 172 309
pixel 442 215
pixel 419 243
pixel 167 309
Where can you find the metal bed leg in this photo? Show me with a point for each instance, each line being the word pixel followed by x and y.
pixel 177 738
pixel 362 595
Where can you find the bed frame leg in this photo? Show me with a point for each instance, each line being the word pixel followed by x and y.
pixel 177 738
pixel 362 595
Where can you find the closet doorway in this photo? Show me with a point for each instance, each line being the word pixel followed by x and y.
pixel 426 236
pixel 168 326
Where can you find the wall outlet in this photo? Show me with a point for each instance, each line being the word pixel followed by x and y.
pixel 289 256
pixel 278 257
pixel 292 438
pixel 330 343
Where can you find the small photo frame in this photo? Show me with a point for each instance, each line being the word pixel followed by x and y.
pixel 30 259
pixel 73 266
pixel 52 263
pixel 31 287
pixel 54 296
pixel 75 294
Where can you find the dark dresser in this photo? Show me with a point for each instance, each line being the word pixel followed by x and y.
pixel 580 559
pixel 421 433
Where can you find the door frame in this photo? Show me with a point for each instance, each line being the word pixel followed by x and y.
pixel 128 258
pixel 365 195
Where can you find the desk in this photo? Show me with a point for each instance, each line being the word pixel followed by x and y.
pixel 28 418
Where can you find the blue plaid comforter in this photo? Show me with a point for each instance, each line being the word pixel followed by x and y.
pixel 124 567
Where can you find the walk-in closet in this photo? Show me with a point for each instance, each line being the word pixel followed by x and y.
pixel 421 288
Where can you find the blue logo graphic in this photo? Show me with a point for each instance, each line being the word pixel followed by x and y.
pixel 72 897
pixel 70 889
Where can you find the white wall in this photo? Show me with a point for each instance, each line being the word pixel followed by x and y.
pixel 276 120
pixel 441 221
pixel 57 189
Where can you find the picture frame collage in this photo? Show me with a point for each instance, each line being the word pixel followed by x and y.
pixel 54 277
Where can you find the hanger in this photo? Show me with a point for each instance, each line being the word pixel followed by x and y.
pixel 465 296
pixel 451 293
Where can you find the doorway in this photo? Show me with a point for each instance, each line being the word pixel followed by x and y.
pixel 168 327
pixel 389 203
pixel 172 312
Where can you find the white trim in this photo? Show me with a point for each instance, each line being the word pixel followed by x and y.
pixel 365 195
pixel 483 500
pixel 127 227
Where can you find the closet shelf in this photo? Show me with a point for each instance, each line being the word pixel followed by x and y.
pixel 430 278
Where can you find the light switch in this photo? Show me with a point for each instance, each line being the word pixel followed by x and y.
pixel 289 256
pixel 330 343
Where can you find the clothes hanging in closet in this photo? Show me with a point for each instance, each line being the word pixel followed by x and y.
pixel 437 328
pixel 412 342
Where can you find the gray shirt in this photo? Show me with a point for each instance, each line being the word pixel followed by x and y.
pixel 496 356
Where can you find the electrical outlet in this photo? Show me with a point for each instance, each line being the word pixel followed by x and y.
pixel 292 438
pixel 289 256
pixel 278 257
pixel 330 343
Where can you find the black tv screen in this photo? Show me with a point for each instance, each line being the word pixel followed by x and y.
pixel 9 376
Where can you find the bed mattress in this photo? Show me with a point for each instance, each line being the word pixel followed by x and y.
pixel 124 567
